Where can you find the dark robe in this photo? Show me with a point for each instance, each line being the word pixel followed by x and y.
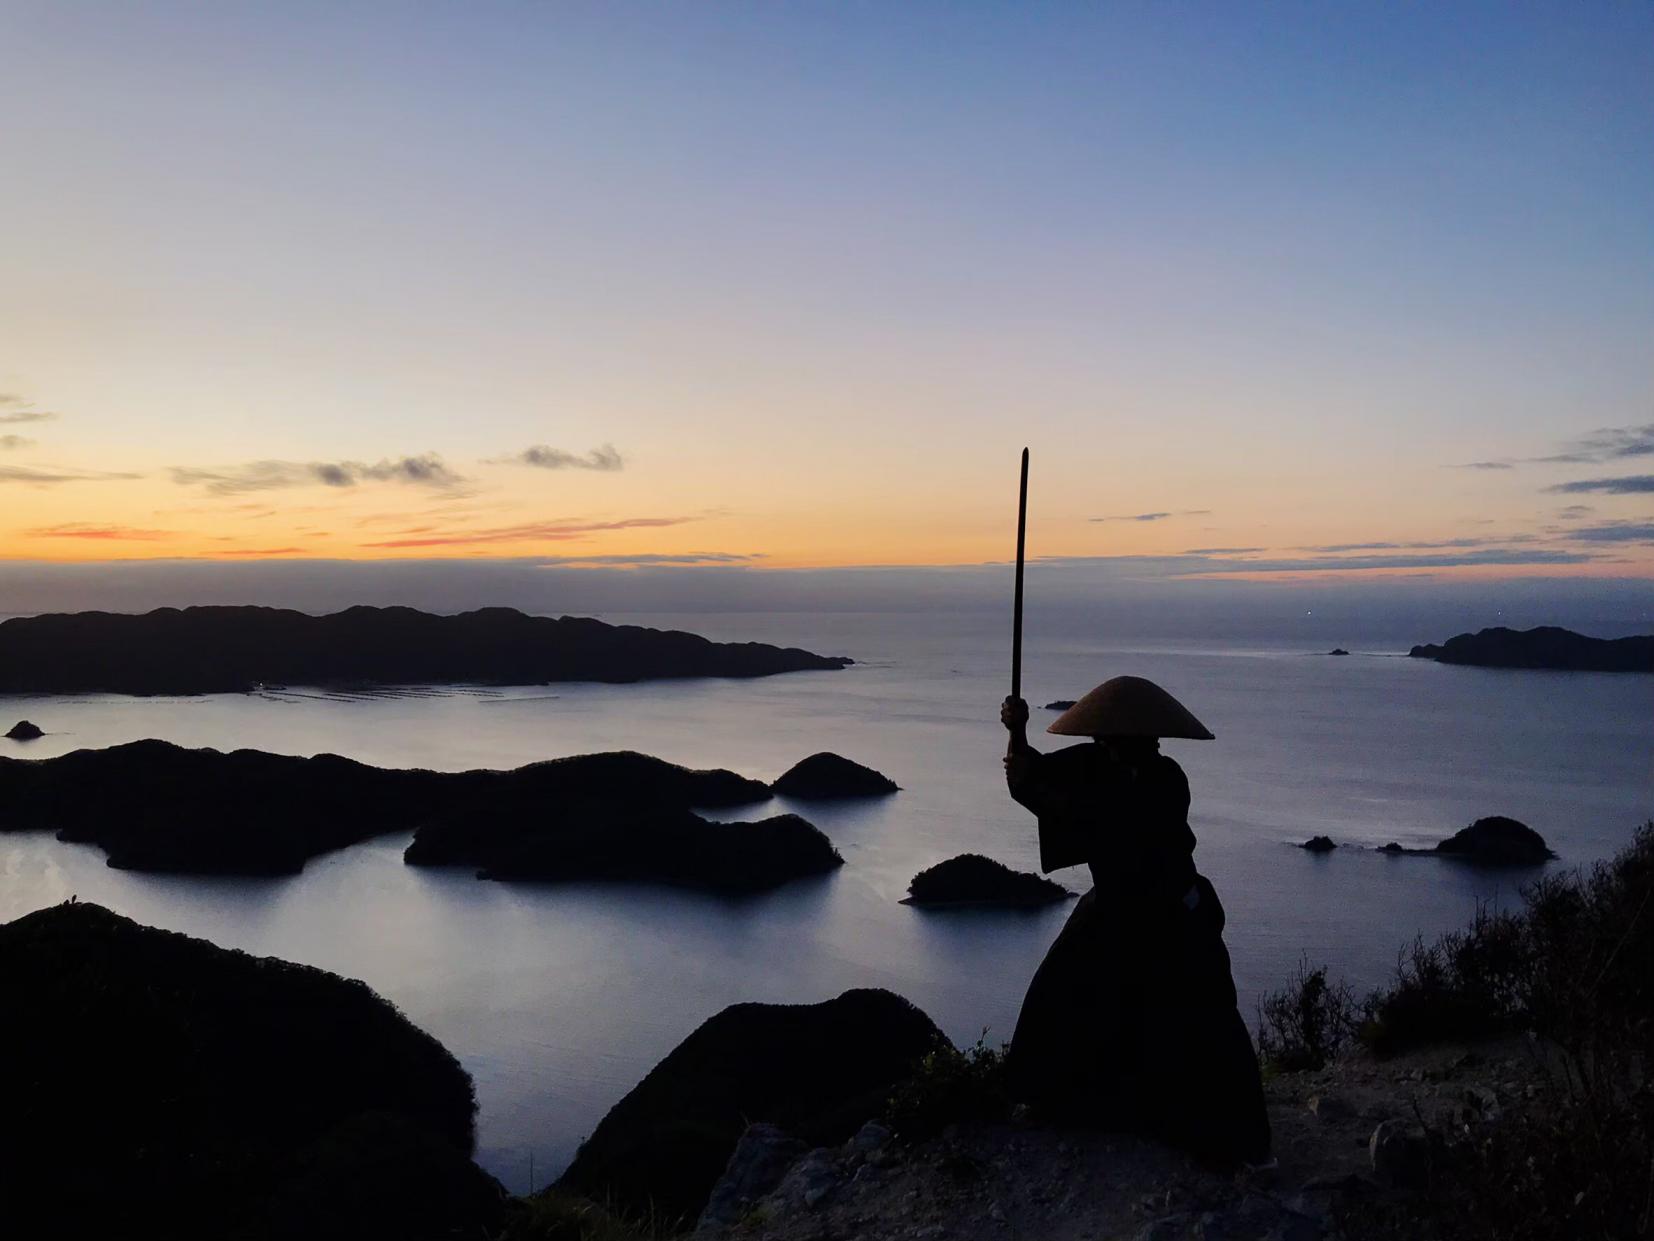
pixel 1130 1022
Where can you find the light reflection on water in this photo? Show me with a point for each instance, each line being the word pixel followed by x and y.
pixel 558 998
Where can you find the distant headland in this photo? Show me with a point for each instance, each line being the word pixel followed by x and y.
pixel 208 650
pixel 1547 647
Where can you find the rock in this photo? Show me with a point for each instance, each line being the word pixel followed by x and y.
pixel 870 1138
pixel 1545 647
pixel 1255 1218
pixel 23 730
pixel 156 806
pixel 236 649
pixel 808 1182
pixel 1497 841
pixel 971 879
pixel 1319 844
pixel 824 776
pixel 1060 704
pixel 210 1088
pixel 1330 1108
pixel 1400 1155
pixel 1338 650
pixel 819 1071
pixel 1392 847
pixel 760 1159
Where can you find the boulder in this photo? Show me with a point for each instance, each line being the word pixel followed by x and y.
pixel 824 776
pixel 204 1085
pixel 1400 1155
pixel 761 1158
pixel 1319 844
pixel 971 879
pixel 23 730
pixel 818 1071
pixel 1497 841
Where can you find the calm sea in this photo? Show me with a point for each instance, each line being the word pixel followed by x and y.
pixel 559 998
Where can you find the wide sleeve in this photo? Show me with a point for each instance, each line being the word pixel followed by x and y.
pixel 1055 788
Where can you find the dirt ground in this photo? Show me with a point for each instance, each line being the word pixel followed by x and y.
pixel 1021 1183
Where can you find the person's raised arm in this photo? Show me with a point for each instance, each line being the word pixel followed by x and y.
pixel 1021 759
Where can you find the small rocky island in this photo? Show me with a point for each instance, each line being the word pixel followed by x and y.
pixel 24 730
pixel 1319 844
pixel 219 1094
pixel 973 880
pixel 1338 650
pixel 1547 647
pixel 1492 841
pixel 209 650
pixel 1059 704
pixel 826 777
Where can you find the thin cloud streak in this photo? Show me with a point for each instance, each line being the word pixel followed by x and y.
pixel 605 458
pixel 1628 485
pixel 1607 444
pixel 26 415
pixel 551 531
pixel 1188 512
pixel 51 476
pixel 11 442
pixel 82 530
pixel 427 470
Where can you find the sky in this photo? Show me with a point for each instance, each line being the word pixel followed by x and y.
pixel 1271 292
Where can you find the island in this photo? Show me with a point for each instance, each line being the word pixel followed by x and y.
pixel 25 730
pixel 818 1071
pixel 1060 704
pixel 971 880
pixel 1547 647
pixel 657 845
pixel 1338 650
pixel 1492 841
pixel 220 1094
pixel 155 806
pixel 825 777
pixel 1320 844
pixel 207 650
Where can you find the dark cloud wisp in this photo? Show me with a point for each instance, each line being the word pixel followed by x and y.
pixel 1188 512
pixel 1626 485
pixel 51 475
pixel 425 470
pixel 605 458
pixel 1608 444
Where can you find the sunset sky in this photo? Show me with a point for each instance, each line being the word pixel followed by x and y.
pixel 1276 289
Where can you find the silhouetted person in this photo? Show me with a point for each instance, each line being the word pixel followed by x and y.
pixel 1130 1022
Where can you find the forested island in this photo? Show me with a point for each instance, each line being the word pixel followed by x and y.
pixel 155 806
pixel 1547 647
pixel 207 650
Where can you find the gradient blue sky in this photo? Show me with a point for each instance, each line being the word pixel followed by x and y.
pixel 1266 276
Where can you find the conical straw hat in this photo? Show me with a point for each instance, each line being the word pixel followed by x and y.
pixel 1129 707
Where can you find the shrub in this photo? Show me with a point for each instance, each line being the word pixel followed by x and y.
pixel 1306 1023
pixel 950 1087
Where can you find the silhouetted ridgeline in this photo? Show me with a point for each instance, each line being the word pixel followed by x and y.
pixel 157 1085
pixel 233 649
pixel 818 1070
pixel 1546 647
pixel 152 805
